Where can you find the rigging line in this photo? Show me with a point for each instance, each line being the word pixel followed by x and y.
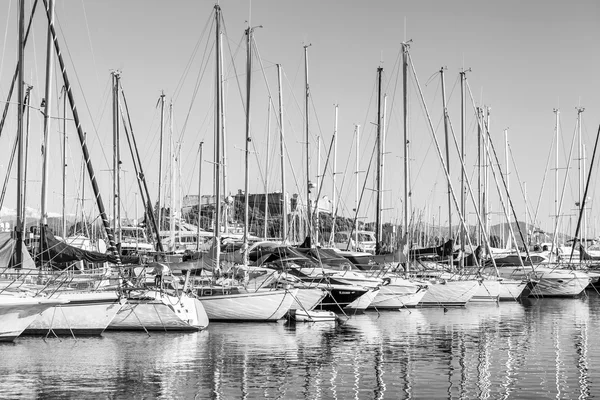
pixel 188 65
pixel 15 75
pixel 537 207
pixel 562 195
pixel 361 195
pixel 339 191
pixel 87 106
pixel 509 199
pixel 199 79
pixel 89 36
pixel 518 178
pixel 8 17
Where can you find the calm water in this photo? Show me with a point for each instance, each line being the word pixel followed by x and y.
pixel 543 348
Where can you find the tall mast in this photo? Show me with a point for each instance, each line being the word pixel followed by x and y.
pixel 26 155
pixel 218 120
pixel 267 170
pixel 199 196
pixel 378 172
pixel 249 32
pixel 526 217
pixel 486 135
pixel 20 167
pixel 223 146
pixel 479 168
pixel 47 110
pixel 173 174
pixel 580 158
pixel 462 174
pixel 507 178
pixel 308 208
pixel 556 219
pixel 383 154
pixel 316 208
pixel 84 148
pixel 116 159
pixel 334 194
pixel 405 138
pixel 64 166
pixel 284 211
pixel 357 134
pixel 160 158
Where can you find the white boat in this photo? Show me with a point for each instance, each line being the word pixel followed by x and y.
pixel 306 299
pixel 513 289
pixel 488 291
pixel 363 302
pixel 313 316
pixel 398 292
pixel 17 313
pixel 158 311
pixel 552 282
pixel 85 313
pixel 236 305
pixel 442 292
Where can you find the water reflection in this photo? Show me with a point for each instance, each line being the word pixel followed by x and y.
pixel 538 349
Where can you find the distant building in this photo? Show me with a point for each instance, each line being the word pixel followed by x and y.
pixel 275 201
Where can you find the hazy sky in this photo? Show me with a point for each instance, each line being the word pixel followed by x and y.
pixel 526 59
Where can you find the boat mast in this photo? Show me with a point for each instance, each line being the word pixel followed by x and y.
pixel 20 167
pixel 199 196
pixel 405 139
pixel 383 153
pixel 308 208
pixel 172 173
pixel 556 211
pixel 249 32
pixel 46 138
pixel 507 245
pixel 64 166
pixel 479 167
pixel 160 158
pixel 463 232
pixel 218 120
pixel 487 139
pixel 580 158
pixel 445 110
pixel 378 172
pixel 357 134
pixel 284 213
pixel 334 194
pixel 84 148
pixel 116 159
pixel 316 208
pixel 267 170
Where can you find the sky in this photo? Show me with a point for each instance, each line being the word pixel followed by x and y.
pixel 523 60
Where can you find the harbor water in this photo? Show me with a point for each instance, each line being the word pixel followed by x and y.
pixel 539 348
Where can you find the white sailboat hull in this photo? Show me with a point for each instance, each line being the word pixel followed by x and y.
pixel 156 311
pixel 449 293
pixel 488 291
pixel 307 299
pixel 399 293
pixel 268 305
pixel 512 289
pixel 86 313
pixel 393 300
pixel 363 302
pixel 17 313
pixel 552 282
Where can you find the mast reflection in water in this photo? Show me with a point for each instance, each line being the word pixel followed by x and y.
pixel 538 349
